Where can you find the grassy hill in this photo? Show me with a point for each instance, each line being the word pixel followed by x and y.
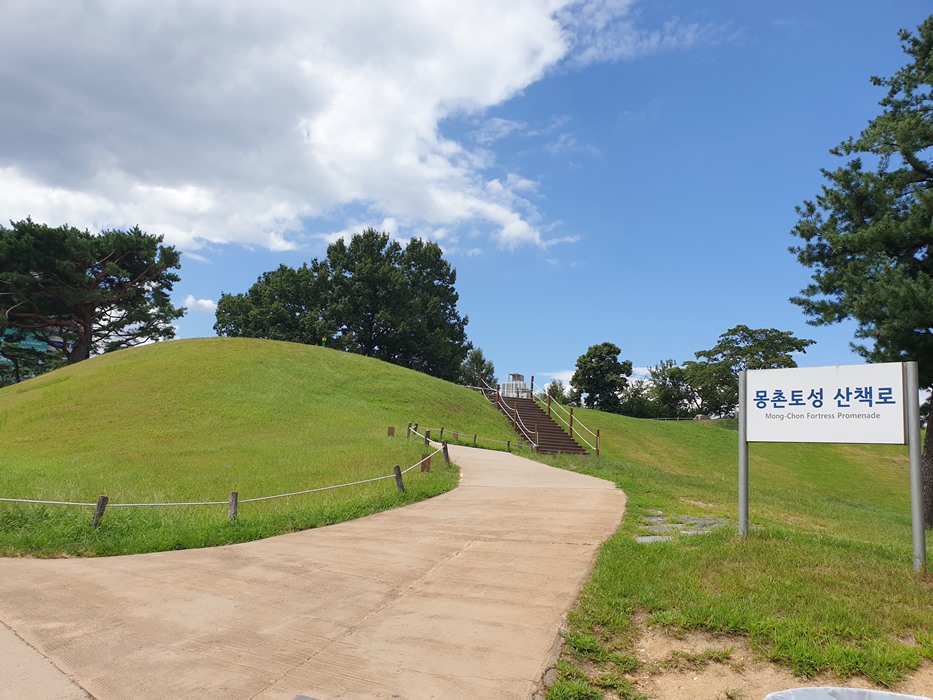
pixel 193 420
pixel 824 581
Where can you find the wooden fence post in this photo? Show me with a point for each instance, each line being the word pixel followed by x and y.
pixel 425 463
pixel 408 431
pixel 99 511
pixel 441 436
pixel 474 441
pixel 597 443
pixel 233 503
pixel 571 421
pixel 446 453
pixel 427 437
pixel 391 431
pixel 398 478
pixel 508 445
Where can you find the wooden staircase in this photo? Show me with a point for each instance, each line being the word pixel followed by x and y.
pixel 544 430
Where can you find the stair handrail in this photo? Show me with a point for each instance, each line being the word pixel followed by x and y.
pixel 513 414
pixel 485 390
pixel 516 417
pixel 573 427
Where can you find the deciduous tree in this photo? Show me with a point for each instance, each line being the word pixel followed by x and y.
pixel 670 391
pixel 477 371
pixel 600 377
pixel 557 390
pixel 283 304
pixel 369 296
pixel 714 377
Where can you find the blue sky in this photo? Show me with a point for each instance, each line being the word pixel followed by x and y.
pixel 614 170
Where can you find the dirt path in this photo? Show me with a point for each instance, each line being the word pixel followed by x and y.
pixel 461 596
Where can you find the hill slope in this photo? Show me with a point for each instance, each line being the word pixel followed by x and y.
pixel 824 581
pixel 193 420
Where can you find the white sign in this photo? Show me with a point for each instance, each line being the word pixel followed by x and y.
pixel 846 403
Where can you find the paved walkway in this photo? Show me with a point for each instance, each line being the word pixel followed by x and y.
pixel 461 596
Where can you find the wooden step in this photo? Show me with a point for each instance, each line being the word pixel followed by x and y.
pixel 551 436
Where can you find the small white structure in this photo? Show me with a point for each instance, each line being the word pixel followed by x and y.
pixel 515 388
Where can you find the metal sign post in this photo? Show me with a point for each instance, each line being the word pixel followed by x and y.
pixel 743 456
pixel 912 387
pixel 873 403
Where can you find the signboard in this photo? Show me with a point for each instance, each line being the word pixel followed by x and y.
pixel 846 403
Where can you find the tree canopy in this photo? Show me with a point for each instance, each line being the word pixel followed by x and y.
pixel 93 293
pixel 556 389
pixel 600 377
pixel 709 384
pixel 283 304
pixel 868 234
pixel 477 371
pixel 669 391
pixel 715 375
pixel 370 296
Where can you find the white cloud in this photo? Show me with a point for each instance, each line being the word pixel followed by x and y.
pixel 496 128
pixel 207 306
pixel 606 30
pixel 218 122
pixel 641 373
pixel 563 375
pixel 388 225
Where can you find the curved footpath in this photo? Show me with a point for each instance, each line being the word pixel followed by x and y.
pixel 460 596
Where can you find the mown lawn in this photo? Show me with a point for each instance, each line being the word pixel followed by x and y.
pixel 194 420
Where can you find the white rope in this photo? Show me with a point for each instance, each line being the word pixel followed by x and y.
pixel 461 433
pixel 156 505
pixel 423 460
pixel 518 421
pixel 555 404
pixel 223 503
pixel 577 423
pixel 322 488
pixel 48 503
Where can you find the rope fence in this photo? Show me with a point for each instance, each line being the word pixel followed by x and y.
pixel 457 434
pixel 574 425
pixel 546 402
pixel 512 413
pixel 234 500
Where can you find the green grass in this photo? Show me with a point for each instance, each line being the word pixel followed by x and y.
pixel 194 420
pixel 824 582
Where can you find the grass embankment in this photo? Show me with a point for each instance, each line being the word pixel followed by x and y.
pixel 824 581
pixel 195 420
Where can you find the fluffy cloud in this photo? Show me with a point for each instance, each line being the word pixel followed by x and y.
pixel 243 122
pixel 207 306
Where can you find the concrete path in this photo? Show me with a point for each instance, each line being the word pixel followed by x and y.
pixel 461 596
